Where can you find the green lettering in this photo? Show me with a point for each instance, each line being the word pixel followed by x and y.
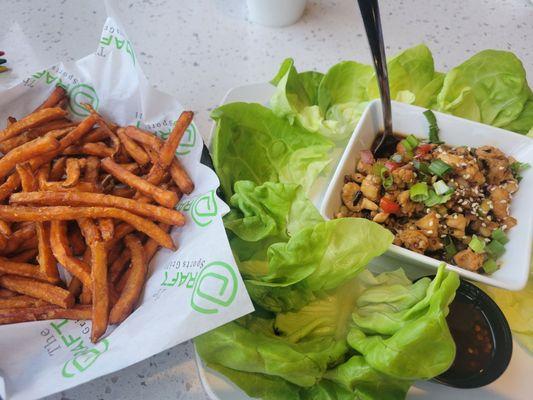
pixel 57 327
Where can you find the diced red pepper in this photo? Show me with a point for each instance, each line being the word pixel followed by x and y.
pixel 367 157
pixel 392 165
pixel 423 149
pixel 389 206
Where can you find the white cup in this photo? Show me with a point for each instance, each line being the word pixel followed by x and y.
pixel 275 13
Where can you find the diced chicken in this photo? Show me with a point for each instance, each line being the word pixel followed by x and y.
pixel 381 217
pixel 369 205
pixel 483 227
pixel 435 244
pixel 429 224
pixel 403 176
pixel 508 223
pixel 500 202
pixel 458 224
pixel 469 260
pixel 464 166
pixel 407 206
pixel 364 168
pixel 414 240
pixel 511 186
pixel 351 192
pixel 497 164
pixel 357 177
pixel 371 187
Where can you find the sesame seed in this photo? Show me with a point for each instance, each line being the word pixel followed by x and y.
pixel 467 176
pixel 501 168
pixel 484 225
pixel 430 223
pixel 460 209
pixel 503 201
pixel 438 215
pixel 430 232
pixel 504 227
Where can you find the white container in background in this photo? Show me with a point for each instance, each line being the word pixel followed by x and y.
pixel 275 13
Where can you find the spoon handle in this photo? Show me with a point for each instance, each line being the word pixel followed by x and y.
pixel 370 13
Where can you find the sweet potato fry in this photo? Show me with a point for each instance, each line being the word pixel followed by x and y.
pixel 96 135
pixel 78 187
pixel 143 137
pixel 180 177
pixel 119 265
pixel 23 269
pixel 62 252
pixel 73 172
pixel 74 287
pixel 89 230
pixel 27 179
pixel 119 286
pixel 178 173
pixel 21 301
pixel 40 290
pixel 9 186
pixel 107 228
pixel 41 214
pixel 97 149
pixel 58 169
pixel 163 197
pixel 72 137
pixel 30 121
pixel 16 141
pixel 5 293
pixel 25 152
pixel 46 259
pixel 55 97
pixel 100 309
pixel 24 256
pixel 92 170
pixel 16 315
pixel 166 155
pixel 151 246
pixel 171 217
pixel 134 284
pixel 5 228
pixel 76 240
pixel 124 191
pixel 18 239
pixel 133 149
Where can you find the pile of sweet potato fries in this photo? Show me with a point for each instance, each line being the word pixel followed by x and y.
pixel 88 200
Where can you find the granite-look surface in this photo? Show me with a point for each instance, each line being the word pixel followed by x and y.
pixel 197 50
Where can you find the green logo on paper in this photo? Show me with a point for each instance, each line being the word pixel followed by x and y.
pixel 119 44
pixel 215 288
pixel 81 94
pixel 187 142
pixel 202 209
pixel 82 361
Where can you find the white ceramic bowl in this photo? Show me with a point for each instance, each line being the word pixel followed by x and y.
pixel 408 119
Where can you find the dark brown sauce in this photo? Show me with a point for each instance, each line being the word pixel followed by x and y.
pixel 473 338
pixel 389 146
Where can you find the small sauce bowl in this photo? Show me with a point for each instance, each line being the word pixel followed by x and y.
pixel 482 336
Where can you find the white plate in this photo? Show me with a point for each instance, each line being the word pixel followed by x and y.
pixel 408 119
pixel 514 384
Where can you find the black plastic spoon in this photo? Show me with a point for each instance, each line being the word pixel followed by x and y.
pixel 371 19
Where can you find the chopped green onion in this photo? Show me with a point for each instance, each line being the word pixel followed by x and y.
pixel 495 249
pixel 477 245
pixel 386 177
pixel 439 168
pixel 441 188
pixel 419 192
pixel 490 266
pixel 396 157
pixel 449 247
pixel 421 166
pixel 377 167
pixel 517 167
pixel 434 199
pixel 413 141
pixel 433 127
pixel 500 236
pixel 406 145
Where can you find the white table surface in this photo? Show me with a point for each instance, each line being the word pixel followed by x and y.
pixel 198 49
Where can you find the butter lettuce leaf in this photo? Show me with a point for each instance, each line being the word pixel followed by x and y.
pixel 489 87
pixel 405 335
pixel 252 143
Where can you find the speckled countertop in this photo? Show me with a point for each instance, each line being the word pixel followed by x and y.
pixel 198 49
